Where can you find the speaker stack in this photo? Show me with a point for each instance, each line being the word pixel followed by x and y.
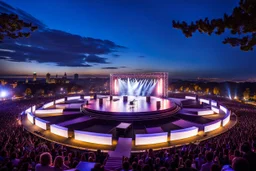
pixel 95 96
pixel 101 101
pixel 158 104
pixel 148 99
pixel 125 98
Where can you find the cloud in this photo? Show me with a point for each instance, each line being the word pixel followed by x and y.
pixel 141 56
pixel 95 59
pixel 109 68
pixel 55 46
pixel 115 55
pixel 7 50
pixel 114 67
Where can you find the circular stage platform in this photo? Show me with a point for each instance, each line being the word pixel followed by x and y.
pixel 133 108
pixel 100 122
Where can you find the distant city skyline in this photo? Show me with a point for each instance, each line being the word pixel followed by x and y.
pixel 103 37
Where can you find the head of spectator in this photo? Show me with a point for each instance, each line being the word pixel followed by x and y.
pixel 134 166
pixel 209 156
pixel 146 167
pixel 163 169
pixel 58 162
pixel 46 159
pixel 246 147
pixel 240 164
pixel 215 167
pixel 126 166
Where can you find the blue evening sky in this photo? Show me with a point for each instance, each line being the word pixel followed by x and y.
pixel 144 27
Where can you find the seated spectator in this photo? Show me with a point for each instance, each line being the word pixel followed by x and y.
pixel 126 166
pixel 134 166
pixel 59 164
pixel 215 167
pixel 207 166
pixel 249 155
pixel 45 162
pixel 240 164
pixel 187 167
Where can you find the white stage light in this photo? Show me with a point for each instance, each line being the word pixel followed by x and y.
pixel 3 94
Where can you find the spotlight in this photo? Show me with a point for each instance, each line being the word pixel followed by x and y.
pixel 3 94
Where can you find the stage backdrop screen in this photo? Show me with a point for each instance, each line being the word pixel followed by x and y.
pixel 137 87
pixel 139 84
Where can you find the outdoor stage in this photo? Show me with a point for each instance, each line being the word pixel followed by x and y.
pixel 137 115
pixel 68 122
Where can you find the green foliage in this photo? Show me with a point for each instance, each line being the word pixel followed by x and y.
pixel 241 23
pixel 12 27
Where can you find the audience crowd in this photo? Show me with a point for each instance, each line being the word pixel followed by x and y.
pixel 234 150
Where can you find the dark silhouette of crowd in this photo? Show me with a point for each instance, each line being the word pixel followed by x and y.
pixel 230 151
pixel 23 151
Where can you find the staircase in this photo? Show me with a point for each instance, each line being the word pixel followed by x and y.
pixel 123 149
pixel 113 163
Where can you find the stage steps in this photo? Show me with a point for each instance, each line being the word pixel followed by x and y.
pixel 123 149
pixel 113 163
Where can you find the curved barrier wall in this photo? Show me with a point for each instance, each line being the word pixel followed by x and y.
pixel 214 103
pixel 60 101
pixel 91 137
pixel 225 110
pixel 205 112
pixel 216 110
pixel 33 108
pixel 47 105
pixel 31 117
pixel 49 111
pixel 74 98
pixel 204 101
pixel 183 133
pixel 28 110
pixel 69 106
pixel 212 126
pixel 59 130
pixel 226 120
pixel 41 123
pixel 146 139
pixel 190 97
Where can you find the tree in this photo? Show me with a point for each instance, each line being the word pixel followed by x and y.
pixel 216 91
pixel 41 92
pixel 242 22
pixel 28 92
pixel 74 89
pixel 207 90
pixel 246 94
pixel 181 88
pixel 11 26
pixel 187 89
pixel 196 87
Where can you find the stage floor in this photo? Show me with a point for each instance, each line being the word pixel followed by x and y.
pixel 117 105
